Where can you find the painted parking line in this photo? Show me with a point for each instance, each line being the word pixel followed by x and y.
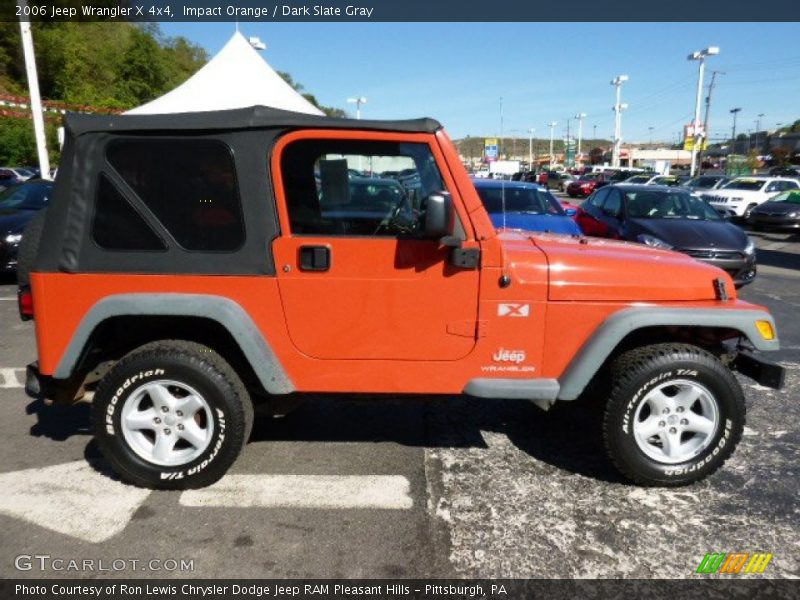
pixel 11 378
pixel 8 298
pixel 305 491
pixel 71 498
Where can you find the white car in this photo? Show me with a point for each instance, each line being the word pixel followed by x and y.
pixel 738 197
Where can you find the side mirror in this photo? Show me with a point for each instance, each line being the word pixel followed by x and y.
pixel 571 212
pixel 438 215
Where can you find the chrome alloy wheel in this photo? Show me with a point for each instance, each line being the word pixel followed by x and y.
pixel 676 421
pixel 167 423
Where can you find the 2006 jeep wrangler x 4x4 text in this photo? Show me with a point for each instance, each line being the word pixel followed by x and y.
pixel 193 265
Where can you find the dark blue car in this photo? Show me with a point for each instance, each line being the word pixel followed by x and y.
pixel 527 206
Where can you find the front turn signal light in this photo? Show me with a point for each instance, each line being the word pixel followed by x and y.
pixel 765 329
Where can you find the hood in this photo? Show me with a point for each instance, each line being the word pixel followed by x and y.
pixel 14 221
pixel 690 234
pixel 782 208
pixel 726 193
pixel 551 223
pixel 600 270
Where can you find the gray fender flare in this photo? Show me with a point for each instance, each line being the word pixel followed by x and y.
pixel 223 310
pixel 598 348
pixel 607 337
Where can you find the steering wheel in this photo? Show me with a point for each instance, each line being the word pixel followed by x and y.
pixel 391 218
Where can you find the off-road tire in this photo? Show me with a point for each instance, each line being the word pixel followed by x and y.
pixel 191 364
pixel 637 372
pixel 29 246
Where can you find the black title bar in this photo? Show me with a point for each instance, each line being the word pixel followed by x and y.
pixel 398 10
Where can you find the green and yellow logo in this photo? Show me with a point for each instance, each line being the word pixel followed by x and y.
pixel 734 563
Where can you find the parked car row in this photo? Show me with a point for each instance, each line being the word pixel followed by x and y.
pixel 661 216
pixel 18 205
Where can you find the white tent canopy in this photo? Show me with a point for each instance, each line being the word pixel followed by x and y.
pixel 237 77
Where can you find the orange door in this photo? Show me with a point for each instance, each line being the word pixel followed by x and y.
pixel 354 284
pixel 379 299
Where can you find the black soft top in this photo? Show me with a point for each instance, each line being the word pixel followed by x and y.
pixel 254 117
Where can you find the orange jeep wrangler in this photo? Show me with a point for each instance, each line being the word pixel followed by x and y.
pixel 192 265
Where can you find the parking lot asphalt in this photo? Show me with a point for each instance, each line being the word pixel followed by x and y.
pixel 460 486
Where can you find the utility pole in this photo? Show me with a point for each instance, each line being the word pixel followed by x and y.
pixel 734 112
pixel 650 129
pixel 36 100
pixel 758 129
pixel 552 126
pixel 618 108
pixel 708 110
pixel 580 117
pixel 699 56
pixel 566 146
pixel 531 133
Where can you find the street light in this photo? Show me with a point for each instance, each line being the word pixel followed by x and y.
pixel 699 56
pixel 650 129
pixel 734 112
pixel 358 102
pixel 552 126
pixel 618 108
pixel 531 133
pixel 758 128
pixel 580 117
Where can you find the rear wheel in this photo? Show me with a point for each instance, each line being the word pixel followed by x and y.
pixel 674 416
pixel 171 415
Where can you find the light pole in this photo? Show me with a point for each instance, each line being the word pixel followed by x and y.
pixel 36 100
pixel 699 56
pixel 618 108
pixel 552 126
pixel 531 133
pixel 358 101
pixel 650 129
pixel 734 112
pixel 580 117
pixel 758 129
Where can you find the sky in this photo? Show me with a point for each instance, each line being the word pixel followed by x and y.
pixel 544 72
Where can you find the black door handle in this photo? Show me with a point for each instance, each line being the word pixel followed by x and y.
pixel 315 258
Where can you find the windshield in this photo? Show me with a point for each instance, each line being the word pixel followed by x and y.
pixel 31 196
pixel 665 180
pixel 702 182
pixel 792 197
pixel 668 205
pixel 638 179
pixel 526 200
pixel 752 185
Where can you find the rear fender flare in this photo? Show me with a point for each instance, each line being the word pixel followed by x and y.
pixel 223 310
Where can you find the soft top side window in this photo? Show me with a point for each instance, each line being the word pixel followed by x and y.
pixel 188 184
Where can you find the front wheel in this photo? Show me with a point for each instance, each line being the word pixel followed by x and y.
pixel 171 415
pixel 674 416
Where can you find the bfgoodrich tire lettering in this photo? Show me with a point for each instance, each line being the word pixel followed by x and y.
pixel 154 391
pixel 650 446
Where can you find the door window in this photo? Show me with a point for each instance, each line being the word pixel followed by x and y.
pixel 358 188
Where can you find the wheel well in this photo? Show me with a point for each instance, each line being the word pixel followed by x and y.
pixel 117 336
pixel 711 339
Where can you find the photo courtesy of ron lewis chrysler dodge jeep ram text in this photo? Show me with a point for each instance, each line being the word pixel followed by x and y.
pixel 191 266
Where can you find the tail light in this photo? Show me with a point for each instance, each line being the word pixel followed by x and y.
pixel 25 303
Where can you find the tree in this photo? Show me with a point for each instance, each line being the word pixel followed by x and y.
pixel 780 155
pixel 300 88
pixel 18 145
pixel 596 156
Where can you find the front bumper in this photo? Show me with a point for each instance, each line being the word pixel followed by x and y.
pixel 773 222
pixel 764 372
pixel 741 267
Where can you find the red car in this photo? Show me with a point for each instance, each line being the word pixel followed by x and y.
pixel 586 184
